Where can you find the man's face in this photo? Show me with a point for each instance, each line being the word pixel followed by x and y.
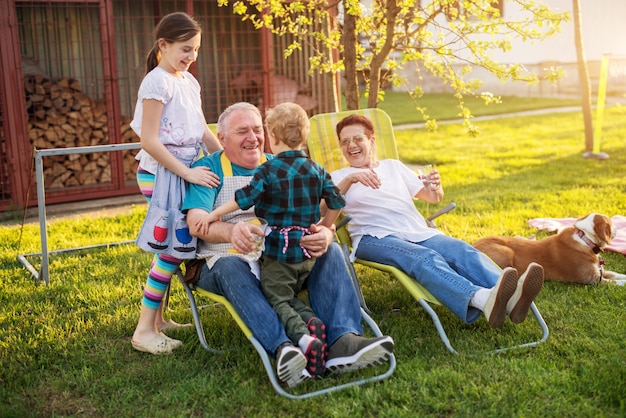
pixel 244 138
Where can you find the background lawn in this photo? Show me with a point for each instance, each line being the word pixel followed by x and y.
pixel 65 348
pixel 403 110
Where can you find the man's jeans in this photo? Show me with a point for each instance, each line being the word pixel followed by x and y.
pixel 450 269
pixel 331 294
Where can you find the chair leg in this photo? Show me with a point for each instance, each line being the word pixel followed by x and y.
pixel 355 280
pixel 196 316
pixel 166 297
pixel 446 340
pixel 437 322
pixel 267 363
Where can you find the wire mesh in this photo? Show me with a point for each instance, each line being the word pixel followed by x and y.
pixel 83 62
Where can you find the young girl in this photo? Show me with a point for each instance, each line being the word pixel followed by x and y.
pixel 169 120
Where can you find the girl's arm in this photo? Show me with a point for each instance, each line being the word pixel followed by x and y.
pixel 150 125
pixel 211 142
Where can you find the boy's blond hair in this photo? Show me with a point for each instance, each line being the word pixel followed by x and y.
pixel 289 123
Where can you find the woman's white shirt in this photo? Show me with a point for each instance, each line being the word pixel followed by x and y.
pixel 388 210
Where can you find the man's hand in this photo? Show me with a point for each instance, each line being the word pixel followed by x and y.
pixel 317 243
pixel 243 237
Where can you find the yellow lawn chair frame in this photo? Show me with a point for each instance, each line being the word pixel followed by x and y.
pixel 324 148
pixel 220 300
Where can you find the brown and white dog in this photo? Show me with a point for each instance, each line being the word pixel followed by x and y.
pixel 569 256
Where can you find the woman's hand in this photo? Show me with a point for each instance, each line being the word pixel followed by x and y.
pixel 317 243
pixel 367 178
pixel 434 179
pixel 432 191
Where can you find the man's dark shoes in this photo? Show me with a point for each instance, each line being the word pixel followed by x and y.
pixel 352 352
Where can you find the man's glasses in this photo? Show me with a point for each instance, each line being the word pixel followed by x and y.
pixel 358 139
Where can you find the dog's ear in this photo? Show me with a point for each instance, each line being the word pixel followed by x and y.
pixel 587 223
pixel 603 228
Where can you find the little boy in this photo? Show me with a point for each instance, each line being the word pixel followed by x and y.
pixel 287 191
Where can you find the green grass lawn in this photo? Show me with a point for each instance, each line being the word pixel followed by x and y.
pixel 403 110
pixel 65 348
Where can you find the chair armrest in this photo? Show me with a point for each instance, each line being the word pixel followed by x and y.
pixel 440 212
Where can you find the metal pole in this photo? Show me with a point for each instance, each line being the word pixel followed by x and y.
pixel 41 204
pixel 44 269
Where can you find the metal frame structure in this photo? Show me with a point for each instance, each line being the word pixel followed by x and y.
pixel 44 269
pixel 267 364
pixel 323 148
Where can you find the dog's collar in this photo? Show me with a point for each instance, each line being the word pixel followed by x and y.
pixel 589 242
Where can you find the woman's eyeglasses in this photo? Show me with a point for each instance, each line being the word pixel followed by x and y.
pixel 358 139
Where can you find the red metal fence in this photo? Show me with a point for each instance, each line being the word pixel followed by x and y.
pixel 71 71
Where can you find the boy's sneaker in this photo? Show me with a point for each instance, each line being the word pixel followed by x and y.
pixel 318 330
pixel 290 364
pixel 352 352
pixel 299 378
pixel 315 361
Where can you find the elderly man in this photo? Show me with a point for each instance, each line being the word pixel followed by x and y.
pixel 226 272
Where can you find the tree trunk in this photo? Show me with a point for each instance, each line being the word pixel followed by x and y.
pixel 583 75
pixel 376 65
pixel 349 41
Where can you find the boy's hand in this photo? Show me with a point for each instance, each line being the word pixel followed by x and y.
pixel 203 222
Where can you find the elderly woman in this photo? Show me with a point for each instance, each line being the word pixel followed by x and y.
pixel 387 228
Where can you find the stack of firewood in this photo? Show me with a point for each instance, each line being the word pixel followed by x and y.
pixel 60 115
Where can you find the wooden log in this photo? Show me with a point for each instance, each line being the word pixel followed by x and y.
pixel 61 115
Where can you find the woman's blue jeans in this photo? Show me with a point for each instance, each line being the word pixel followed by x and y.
pixel 331 295
pixel 450 269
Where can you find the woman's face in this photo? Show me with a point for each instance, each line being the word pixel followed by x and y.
pixel 357 146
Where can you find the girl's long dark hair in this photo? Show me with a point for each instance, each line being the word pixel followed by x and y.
pixel 174 27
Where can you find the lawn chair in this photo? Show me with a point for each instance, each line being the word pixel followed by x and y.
pixel 220 300
pixel 324 148
pixel 190 289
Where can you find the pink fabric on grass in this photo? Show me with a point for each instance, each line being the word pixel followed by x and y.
pixel 618 244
